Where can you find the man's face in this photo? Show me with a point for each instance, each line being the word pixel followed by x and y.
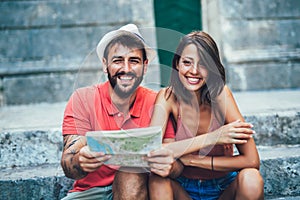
pixel 125 68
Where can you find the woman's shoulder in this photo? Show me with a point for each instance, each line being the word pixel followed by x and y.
pixel 167 95
pixel 225 93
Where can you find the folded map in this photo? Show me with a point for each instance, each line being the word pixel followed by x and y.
pixel 127 147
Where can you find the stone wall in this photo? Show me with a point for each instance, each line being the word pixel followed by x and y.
pixel 47 47
pixel 259 41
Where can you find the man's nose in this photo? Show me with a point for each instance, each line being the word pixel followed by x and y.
pixel 127 66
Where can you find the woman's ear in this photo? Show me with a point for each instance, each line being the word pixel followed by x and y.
pixel 104 67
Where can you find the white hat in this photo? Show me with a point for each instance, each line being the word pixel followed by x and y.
pixel 131 28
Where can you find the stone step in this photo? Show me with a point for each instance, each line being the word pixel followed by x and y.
pixel 280 167
pixel 45 182
pixel 285 198
pixel 31 143
pixel 21 147
pixel 33 132
pixel 275 129
pixel 264 104
pixel 274 114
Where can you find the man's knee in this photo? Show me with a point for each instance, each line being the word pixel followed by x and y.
pixel 160 187
pixel 129 185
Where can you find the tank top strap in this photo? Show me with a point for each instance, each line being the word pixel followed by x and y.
pixel 182 131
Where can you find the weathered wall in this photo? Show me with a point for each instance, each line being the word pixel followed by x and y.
pixel 259 41
pixel 46 47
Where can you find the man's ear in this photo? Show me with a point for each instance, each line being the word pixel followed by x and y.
pixel 104 67
pixel 145 66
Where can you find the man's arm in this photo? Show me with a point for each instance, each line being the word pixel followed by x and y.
pixel 77 160
pixel 70 156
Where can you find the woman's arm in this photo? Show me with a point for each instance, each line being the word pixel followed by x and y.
pixel 248 156
pixel 233 133
pixel 237 132
pixel 162 110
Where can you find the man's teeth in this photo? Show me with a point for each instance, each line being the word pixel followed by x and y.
pixel 125 77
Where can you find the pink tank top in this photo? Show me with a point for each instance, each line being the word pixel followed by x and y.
pixel 217 150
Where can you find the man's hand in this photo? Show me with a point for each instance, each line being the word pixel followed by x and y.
pixel 91 161
pixel 237 132
pixel 77 160
pixel 160 161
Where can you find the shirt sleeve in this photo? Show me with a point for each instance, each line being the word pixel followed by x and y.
pixel 76 118
pixel 170 132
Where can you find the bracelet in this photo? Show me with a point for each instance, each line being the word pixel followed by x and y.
pixel 212 163
pixel 180 162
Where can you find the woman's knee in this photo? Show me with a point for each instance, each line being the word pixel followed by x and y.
pixel 250 182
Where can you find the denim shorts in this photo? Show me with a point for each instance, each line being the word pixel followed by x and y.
pixel 208 189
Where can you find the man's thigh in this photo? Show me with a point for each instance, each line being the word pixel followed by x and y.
pixel 130 184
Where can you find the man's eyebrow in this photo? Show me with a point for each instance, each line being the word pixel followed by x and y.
pixel 118 57
pixel 135 58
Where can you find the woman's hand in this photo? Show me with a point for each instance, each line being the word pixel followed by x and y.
pixel 160 161
pixel 237 132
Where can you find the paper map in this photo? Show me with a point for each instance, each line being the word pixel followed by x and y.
pixel 127 147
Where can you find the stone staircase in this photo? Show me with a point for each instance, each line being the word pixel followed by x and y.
pixel 31 144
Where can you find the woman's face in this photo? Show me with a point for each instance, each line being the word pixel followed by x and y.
pixel 191 73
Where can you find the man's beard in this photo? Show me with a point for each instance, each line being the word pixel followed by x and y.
pixel 118 90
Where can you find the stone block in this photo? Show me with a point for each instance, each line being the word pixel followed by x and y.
pixel 277 129
pixel 295 76
pixel 30 148
pixel 1 92
pixel 260 9
pixel 259 76
pixel 53 87
pixel 42 182
pixel 272 33
pixel 142 12
pixel 281 176
pixel 279 168
pixel 53 33
pixel 39 88
pixel 49 44
pixel 47 50
pixel 63 13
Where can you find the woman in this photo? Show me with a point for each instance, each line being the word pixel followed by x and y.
pixel 200 102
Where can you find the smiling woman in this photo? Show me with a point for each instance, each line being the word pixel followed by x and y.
pixel 191 73
pixel 200 102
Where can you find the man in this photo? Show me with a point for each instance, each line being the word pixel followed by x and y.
pixel 119 103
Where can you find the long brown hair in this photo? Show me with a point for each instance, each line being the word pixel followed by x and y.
pixel 209 57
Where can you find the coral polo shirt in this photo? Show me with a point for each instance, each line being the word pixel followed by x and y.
pixel 91 109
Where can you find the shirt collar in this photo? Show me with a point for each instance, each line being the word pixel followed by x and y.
pixel 135 110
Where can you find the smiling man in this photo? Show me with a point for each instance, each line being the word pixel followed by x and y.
pixel 119 103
